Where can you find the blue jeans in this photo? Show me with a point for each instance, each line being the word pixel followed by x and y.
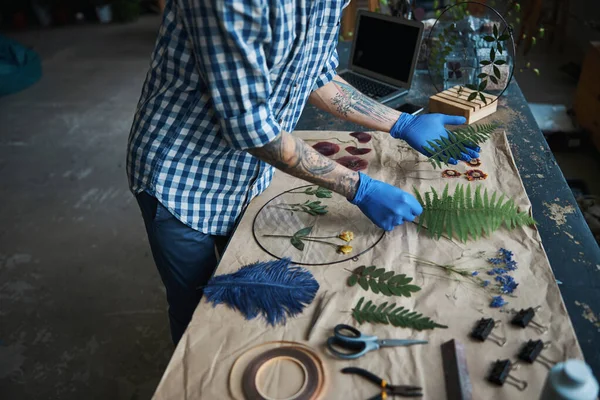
pixel 185 259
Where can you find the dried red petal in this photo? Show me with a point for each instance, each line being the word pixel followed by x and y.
pixel 356 151
pixel 326 148
pixel 353 162
pixel 362 137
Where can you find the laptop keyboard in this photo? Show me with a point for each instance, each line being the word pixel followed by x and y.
pixel 367 86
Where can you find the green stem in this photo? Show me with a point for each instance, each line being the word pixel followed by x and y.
pixel 278 236
pixel 320 241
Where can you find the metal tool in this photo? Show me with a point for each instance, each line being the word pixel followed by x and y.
pixel 483 330
pixel 525 317
pixel 386 388
pixel 456 373
pixel 530 353
pixel 500 374
pixel 357 344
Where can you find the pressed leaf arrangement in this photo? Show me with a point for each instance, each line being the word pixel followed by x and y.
pixel 443 149
pixel 465 214
pixel 318 191
pixel 378 280
pixel 390 314
pixel 310 207
pixel 297 239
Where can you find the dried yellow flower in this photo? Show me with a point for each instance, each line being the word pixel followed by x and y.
pixel 346 236
pixel 345 249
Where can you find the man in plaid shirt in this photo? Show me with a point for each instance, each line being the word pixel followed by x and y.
pixel 227 84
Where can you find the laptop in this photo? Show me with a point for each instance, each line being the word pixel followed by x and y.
pixel 384 54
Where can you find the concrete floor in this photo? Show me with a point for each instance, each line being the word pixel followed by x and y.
pixel 82 309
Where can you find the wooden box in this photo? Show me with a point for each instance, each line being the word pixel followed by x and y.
pixel 452 102
pixel 587 97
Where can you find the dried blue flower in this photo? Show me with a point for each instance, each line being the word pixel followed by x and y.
pixel 497 302
pixel 499 271
pixel 495 261
pixel 474 273
pixel 485 283
pixel 505 253
pixel 511 265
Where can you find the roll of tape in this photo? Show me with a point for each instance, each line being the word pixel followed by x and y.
pixel 311 378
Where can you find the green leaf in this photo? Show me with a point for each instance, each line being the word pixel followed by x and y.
pixel 482 97
pixel 499 47
pixel 504 37
pixel 383 288
pixel 493 79
pixel 499 62
pixel 472 214
pixel 489 39
pixel 482 86
pixel 481 75
pixel 495 30
pixel 297 243
pixel 472 96
pixel 492 54
pixel 471 86
pixel 378 272
pixel 323 193
pixel 367 271
pixel 485 62
pixel 352 280
pixel 363 282
pixel 386 276
pixel 497 72
pixel 373 286
pixel 303 232
pixel 396 316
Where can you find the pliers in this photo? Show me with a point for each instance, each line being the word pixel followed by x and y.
pixel 386 388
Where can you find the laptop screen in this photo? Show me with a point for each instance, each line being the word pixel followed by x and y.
pixel 385 47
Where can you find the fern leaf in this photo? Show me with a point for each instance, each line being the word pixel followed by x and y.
pixel 466 214
pixel 390 314
pixel 442 149
pixel 378 280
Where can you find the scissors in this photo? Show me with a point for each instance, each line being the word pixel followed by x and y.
pixel 386 389
pixel 357 344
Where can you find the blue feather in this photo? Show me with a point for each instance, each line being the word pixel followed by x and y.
pixel 272 289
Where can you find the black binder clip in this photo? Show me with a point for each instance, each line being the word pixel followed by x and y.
pixel 501 373
pixel 530 352
pixel 483 330
pixel 525 318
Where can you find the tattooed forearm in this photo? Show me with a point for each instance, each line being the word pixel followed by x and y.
pixel 341 99
pixel 353 101
pixel 293 156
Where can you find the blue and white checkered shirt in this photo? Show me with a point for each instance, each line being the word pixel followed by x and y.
pixel 226 76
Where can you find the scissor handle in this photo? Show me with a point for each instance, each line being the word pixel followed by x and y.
pixel 351 334
pixel 355 348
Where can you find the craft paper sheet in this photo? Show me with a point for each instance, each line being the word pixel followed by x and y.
pixel 199 368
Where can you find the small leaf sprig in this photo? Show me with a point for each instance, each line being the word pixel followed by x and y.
pixel 318 191
pixel 310 207
pixel 497 48
pixel 297 239
pixel 390 314
pixel 381 281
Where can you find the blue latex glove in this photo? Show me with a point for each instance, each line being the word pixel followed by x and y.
pixel 418 130
pixel 385 205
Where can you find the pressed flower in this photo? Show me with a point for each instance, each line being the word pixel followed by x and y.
pixel 353 162
pixel 476 175
pixel 485 283
pixel 346 236
pixel 497 302
pixel 474 273
pixel 473 162
pixel 511 265
pixel 356 151
pixel 450 173
pixel 495 261
pixel 362 137
pixel 326 148
pixel 344 249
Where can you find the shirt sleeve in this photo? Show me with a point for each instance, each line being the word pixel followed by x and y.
pixel 329 71
pixel 228 37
